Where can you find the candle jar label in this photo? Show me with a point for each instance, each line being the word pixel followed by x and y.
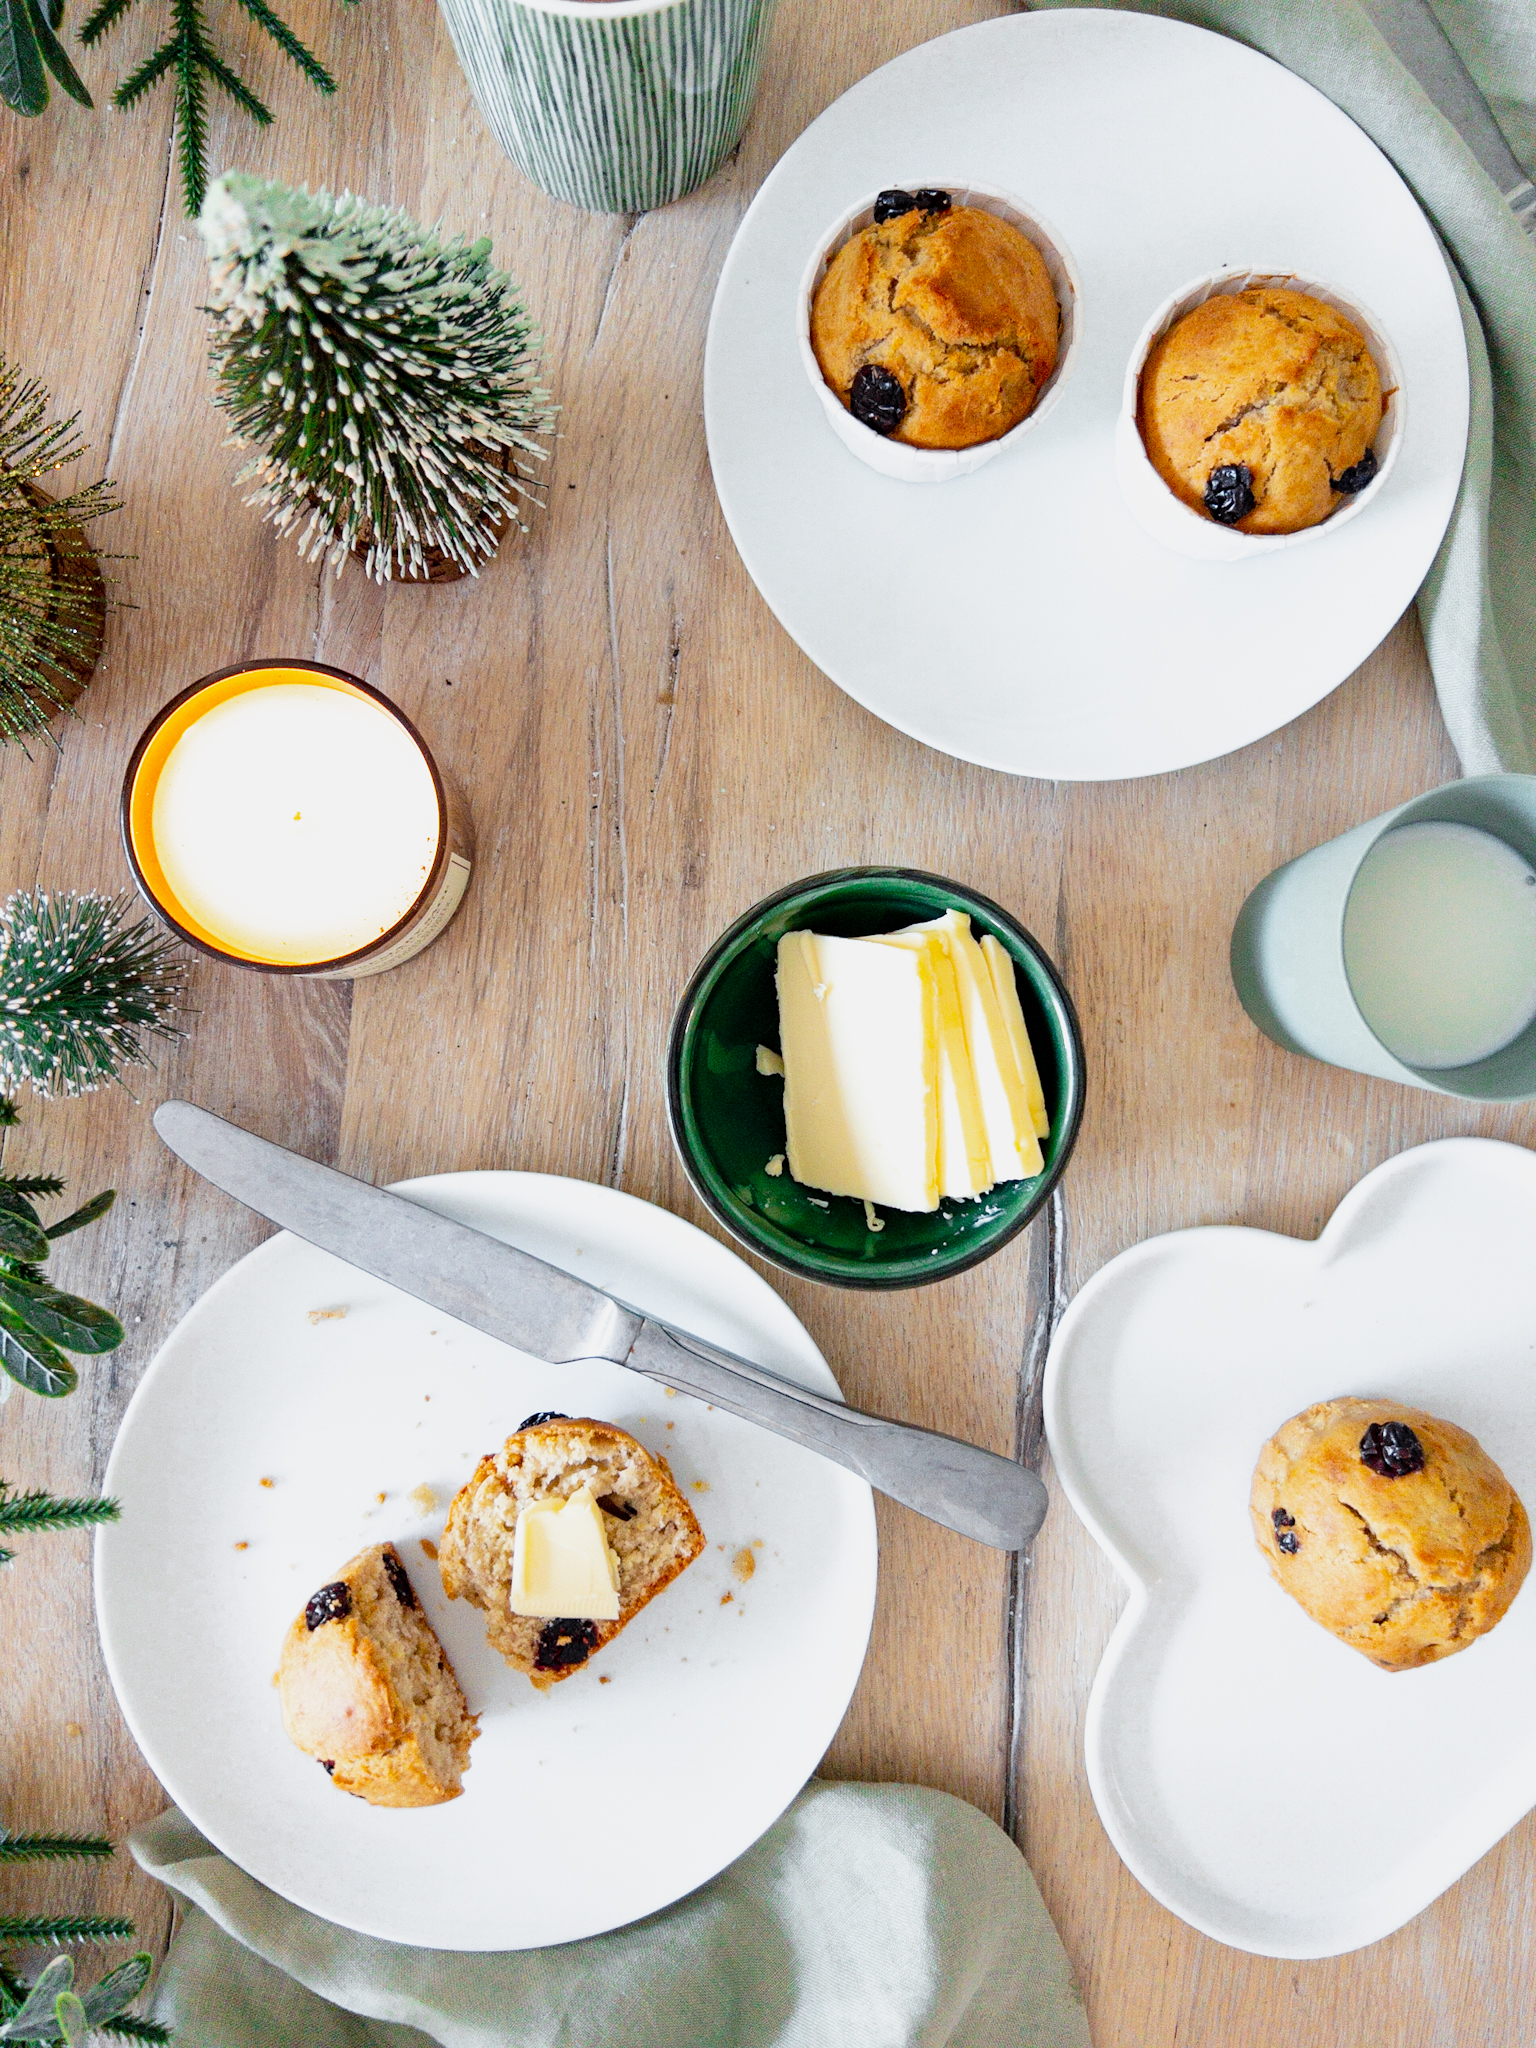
pixel 433 920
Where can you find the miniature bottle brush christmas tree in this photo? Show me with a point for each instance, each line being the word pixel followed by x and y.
pixel 79 990
pixel 388 376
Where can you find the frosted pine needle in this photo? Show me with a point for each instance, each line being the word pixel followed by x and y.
pixel 80 990
pixel 388 376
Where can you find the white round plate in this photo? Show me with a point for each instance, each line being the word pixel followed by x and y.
pixel 1269 1785
pixel 585 1807
pixel 1019 617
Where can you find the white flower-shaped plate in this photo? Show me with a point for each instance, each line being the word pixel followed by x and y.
pixel 1265 1783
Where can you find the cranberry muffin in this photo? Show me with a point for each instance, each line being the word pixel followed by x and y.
pixel 1393 1529
pixel 1258 409
pixel 937 324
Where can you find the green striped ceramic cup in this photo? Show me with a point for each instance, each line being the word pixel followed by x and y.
pixel 615 105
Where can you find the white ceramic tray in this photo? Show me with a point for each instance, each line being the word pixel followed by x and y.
pixel 721 1696
pixel 1269 1785
pixel 1019 616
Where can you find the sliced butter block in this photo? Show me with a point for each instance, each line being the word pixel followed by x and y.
pixel 1007 987
pixel 562 1567
pixel 858 1026
pixel 965 1164
pixel 1012 1146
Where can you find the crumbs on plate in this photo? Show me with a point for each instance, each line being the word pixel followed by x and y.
pixel 326 1315
pixel 743 1564
pixel 422 1499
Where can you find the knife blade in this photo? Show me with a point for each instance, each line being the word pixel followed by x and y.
pixel 535 1307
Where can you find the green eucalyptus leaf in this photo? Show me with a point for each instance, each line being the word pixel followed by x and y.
pixel 38 2018
pixel 70 2015
pixel 90 1212
pixel 33 1362
pixel 69 1319
pixel 23 81
pixel 104 2001
pixel 21 1230
pixel 54 54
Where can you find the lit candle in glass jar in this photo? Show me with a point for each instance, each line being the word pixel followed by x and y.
pixel 286 816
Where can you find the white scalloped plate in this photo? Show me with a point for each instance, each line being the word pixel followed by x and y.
pixel 1265 1783
pixel 710 1711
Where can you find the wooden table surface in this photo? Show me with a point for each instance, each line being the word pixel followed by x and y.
pixel 646 753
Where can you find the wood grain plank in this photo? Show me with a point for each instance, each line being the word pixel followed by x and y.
pixel 646 753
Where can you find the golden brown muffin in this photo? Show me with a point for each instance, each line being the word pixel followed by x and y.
pixel 1392 1528
pixel 367 1688
pixel 957 306
pixel 1259 409
pixel 649 1527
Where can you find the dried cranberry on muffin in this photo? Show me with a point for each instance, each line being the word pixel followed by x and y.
pixel 936 325
pixel 1393 1529
pixel 367 1688
pixel 1258 409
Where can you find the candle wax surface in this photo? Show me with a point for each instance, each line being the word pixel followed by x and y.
pixel 1440 944
pixel 295 822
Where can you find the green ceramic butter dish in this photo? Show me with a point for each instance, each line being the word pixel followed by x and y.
pixel 728 1119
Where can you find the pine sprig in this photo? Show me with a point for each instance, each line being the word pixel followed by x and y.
pixel 388 376
pixel 52 601
pixel 126 2028
pixel 30 1514
pixel 66 1930
pixel 188 52
pixel 80 989
pixel 53 1848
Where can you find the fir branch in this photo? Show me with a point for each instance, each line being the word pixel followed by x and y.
pixel 138 82
pixel 188 52
pixel 28 1514
pixel 290 45
pixel 80 989
pixel 10 1116
pixel 97 24
pixel 59 1929
pixel 126 2027
pixel 31 1186
pixel 53 1848
pixel 238 90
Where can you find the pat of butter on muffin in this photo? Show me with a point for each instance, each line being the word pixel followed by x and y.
pixel 562 1565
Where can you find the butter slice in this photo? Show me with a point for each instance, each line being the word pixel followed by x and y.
pixel 1007 988
pixel 858 1025
pixel 562 1567
pixel 1012 1146
pixel 965 1167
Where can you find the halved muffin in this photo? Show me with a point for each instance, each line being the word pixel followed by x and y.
pixel 367 1688
pixel 649 1527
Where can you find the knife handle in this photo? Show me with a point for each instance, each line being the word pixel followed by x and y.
pixel 972 1491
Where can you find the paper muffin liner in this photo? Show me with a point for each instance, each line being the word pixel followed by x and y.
pixel 1155 507
pixel 938 465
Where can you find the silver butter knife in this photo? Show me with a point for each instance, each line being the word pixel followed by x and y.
pixel 533 1306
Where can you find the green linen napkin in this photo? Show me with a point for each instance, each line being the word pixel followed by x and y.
pixel 870 1916
pixel 1478 603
